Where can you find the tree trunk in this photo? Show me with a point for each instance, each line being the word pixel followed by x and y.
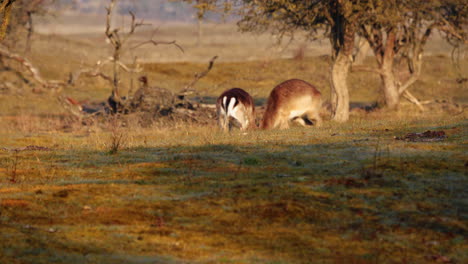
pixel 340 95
pixel 342 39
pixel 390 87
pixel 115 101
pixel 116 81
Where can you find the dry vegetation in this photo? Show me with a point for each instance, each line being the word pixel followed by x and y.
pixel 112 191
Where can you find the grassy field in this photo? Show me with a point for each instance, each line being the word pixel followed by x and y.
pixel 187 193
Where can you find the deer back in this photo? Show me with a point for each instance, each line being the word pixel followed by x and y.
pixel 290 99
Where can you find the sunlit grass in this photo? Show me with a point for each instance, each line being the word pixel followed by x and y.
pixel 332 194
pixel 179 192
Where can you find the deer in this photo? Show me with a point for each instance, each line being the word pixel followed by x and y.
pixel 292 100
pixel 239 105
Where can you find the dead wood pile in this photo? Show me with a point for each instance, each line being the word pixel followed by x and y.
pixel 152 104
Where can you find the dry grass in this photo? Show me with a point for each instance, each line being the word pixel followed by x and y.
pixel 187 193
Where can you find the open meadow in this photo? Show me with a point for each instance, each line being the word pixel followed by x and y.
pixel 113 191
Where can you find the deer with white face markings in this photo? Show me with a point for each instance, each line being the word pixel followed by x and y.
pixel 292 100
pixel 239 105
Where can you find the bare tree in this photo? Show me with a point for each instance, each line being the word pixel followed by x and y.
pixel 119 42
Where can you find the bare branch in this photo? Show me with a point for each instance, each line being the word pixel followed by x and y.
pixel 408 83
pixel 133 26
pixel 127 69
pixel 198 76
pixel 30 67
pixel 416 62
pixel 155 43
pixel 108 18
pixel 414 58
pixel 91 72
pixel 413 100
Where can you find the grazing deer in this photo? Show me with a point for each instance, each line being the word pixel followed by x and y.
pixel 238 104
pixel 294 100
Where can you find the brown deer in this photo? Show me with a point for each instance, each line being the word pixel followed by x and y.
pixel 292 100
pixel 239 105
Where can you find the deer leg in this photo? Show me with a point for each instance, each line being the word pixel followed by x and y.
pixel 223 120
pixel 283 123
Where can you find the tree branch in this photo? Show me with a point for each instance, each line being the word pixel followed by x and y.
pixel 198 76
pixel 415 60
pixel 413 100
pixel 30 67
pixel 127 69
pixel 155 43
pixel 108 18
pixel 417 64
pixel 91 72
pixel 133 26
